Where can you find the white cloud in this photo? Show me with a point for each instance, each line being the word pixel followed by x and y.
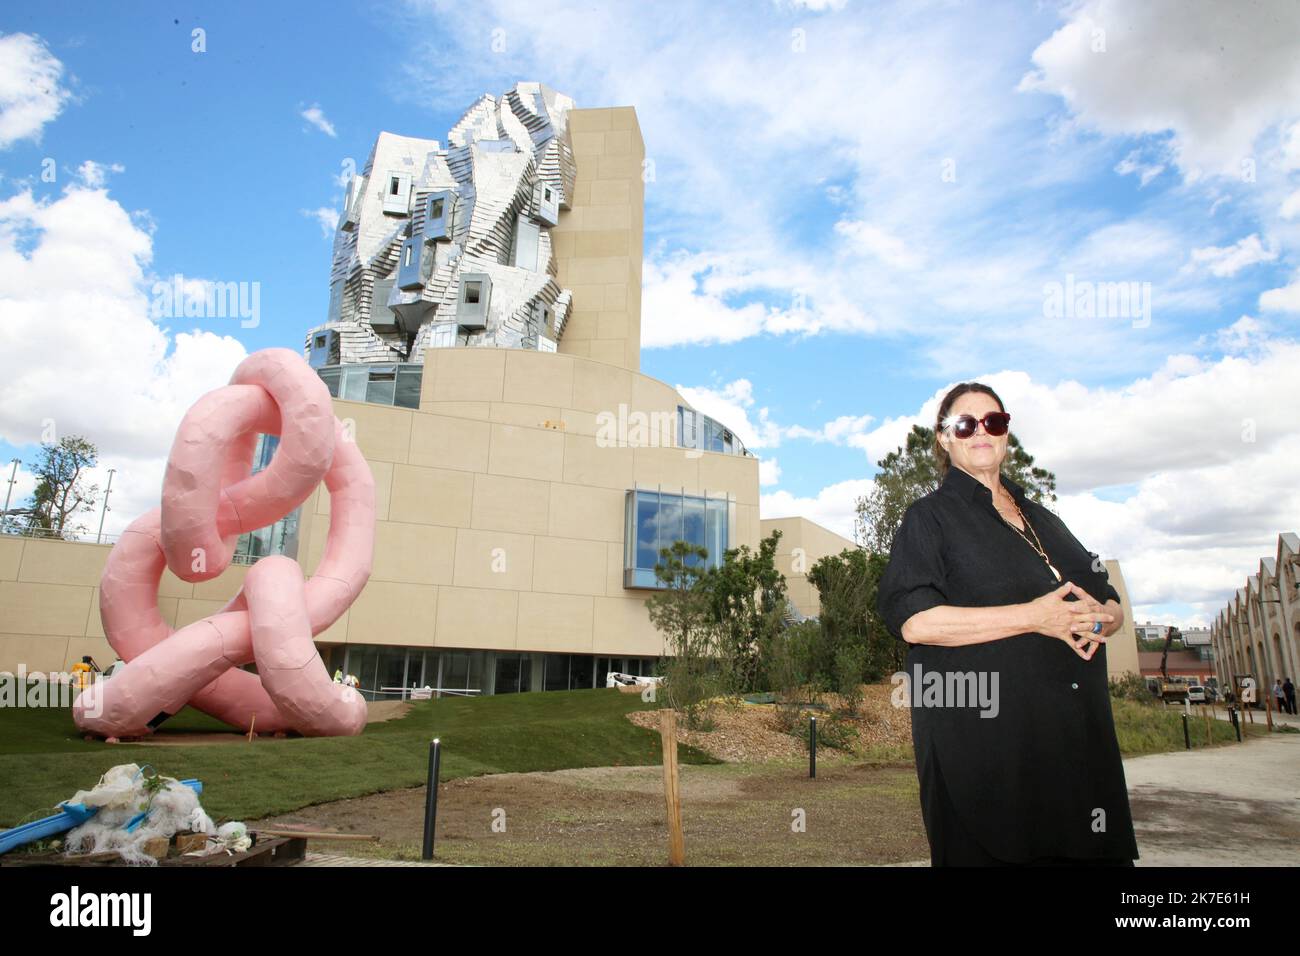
pixel 326 218
pixel 1284 299
pixel 844 430
pixel 1290 206
pixel 316 117
pixel 1245 335
pixel 833 507
pixel 1214 82
pixel 78 352
pixel 816 6
pixel 874 241
pixel 730 405
pixel 95 174
pixel 683 300
pixel 31 89
pixel 1133 164
pixel 1225 261
pixel 1291 148
pixel 769 472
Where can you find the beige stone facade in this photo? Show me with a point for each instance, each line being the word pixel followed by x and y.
pixel 502 504
pixel 598 241
pixel 1121 647
pixel 801 545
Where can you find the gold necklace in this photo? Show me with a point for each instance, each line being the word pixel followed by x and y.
pixel 1036 544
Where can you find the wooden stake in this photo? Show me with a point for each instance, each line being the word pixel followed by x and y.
pixel 251 724
pixel 318 834
pixel 672 795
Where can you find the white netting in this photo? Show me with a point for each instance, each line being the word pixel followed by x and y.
pixel 170 807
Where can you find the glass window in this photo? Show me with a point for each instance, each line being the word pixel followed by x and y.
pixel 455 670
pixel 355 381
pixel 657 519
pixel 362 661
pixel 472 291
pixel 382 385
pixel 391 669
pixel 330 376
pixel 581 671
pixel 647 537
pixel 555 674
pixel 435 208
pixel 407 394
pixel 693 525
pixel 715 538
pixel 508 673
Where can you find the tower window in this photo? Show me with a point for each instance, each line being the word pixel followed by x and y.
pixel 472 290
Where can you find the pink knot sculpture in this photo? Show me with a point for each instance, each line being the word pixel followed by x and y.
pixel 209 498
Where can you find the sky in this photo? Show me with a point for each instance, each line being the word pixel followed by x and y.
pixel 1093 207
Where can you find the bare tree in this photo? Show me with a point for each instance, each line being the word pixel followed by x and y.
pixel 62 492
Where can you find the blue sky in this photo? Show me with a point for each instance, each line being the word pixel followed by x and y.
pixel 853 206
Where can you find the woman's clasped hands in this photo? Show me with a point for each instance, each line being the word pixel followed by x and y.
pixel 1071 621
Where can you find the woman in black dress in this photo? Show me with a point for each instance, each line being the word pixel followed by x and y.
pixel 1006 616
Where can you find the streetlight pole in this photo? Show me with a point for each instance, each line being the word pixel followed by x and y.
pixel 107 491
pixel 13 478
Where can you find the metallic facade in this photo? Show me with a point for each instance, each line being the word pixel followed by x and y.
pixel 450 244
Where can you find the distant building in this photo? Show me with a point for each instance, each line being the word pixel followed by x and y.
pixel 1258 632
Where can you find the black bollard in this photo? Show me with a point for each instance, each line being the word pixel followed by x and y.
pixel 1236 723
pixel 431 798
pixel 1187 736
pixel 812 747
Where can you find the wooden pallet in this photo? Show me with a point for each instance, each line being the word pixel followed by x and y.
pixel 268 851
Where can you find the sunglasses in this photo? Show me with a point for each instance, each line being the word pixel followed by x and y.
pixel 963 426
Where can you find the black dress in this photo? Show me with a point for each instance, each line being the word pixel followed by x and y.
pixel 1015 742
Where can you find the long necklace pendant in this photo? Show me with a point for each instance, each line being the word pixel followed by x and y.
pixel 1054 571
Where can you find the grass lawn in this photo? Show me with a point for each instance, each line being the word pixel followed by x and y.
pixel 44 760
pixel 1156 728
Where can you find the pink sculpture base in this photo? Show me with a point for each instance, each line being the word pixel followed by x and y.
pixel 210 498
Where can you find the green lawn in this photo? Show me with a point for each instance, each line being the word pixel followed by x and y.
pixel 1150 728
pixel 43 760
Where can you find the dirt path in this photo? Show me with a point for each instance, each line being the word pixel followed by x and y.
pixel 733 814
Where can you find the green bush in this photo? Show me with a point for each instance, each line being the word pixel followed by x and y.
pixel 1131 686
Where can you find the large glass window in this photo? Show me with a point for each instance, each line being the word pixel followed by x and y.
pixel 514 672
pixel 695 430
pixel 377 384
pixel 655 519
pixel 555 675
